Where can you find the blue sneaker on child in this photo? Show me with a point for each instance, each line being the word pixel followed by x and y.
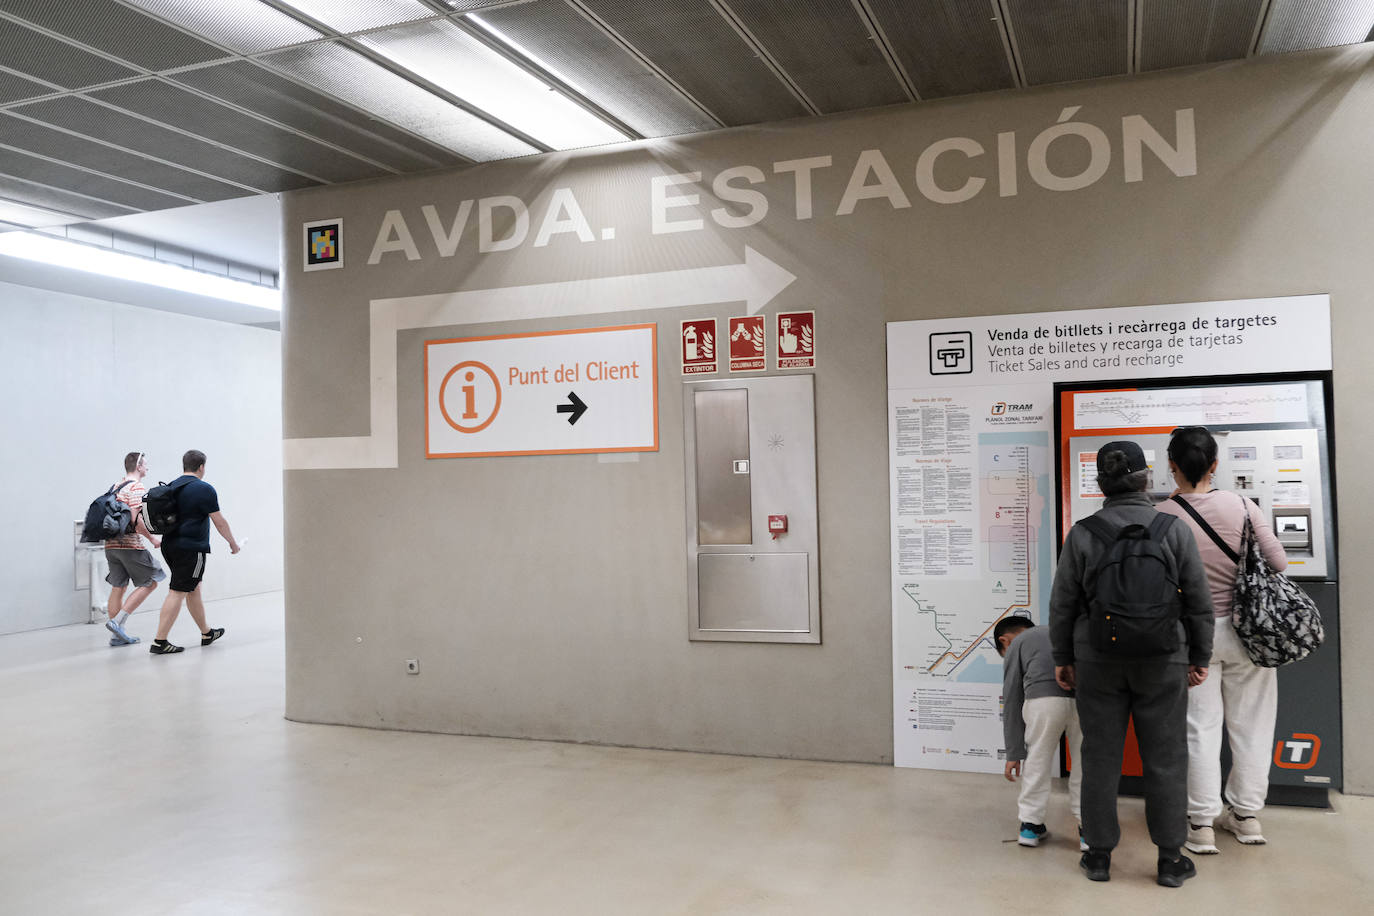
pixel 1032 834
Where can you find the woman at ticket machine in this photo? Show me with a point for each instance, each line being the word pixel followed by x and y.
pixel 1238 694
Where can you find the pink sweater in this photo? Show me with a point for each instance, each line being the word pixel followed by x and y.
pixel 1223 511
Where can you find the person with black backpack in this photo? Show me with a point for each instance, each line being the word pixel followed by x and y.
pixel 127 556
pixel 186 547
pixel 1131 630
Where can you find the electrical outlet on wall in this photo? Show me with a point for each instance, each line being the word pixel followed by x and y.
pixel 412 666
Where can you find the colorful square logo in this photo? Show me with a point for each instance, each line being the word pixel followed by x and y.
pixel 323 244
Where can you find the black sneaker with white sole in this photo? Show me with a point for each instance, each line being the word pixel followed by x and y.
pixel 163 647
pixel 210 636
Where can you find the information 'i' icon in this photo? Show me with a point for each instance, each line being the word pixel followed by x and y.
pixel 480 397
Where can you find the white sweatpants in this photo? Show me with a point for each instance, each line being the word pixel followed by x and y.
pixel 1246 698
pixel 1046 719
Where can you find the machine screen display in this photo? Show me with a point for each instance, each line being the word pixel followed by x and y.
pixel 1287 452
pixel 1245 453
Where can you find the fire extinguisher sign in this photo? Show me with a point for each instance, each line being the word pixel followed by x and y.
pixel 698 341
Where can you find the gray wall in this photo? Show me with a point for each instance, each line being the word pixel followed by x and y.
pixel 88 381
pixel 546 596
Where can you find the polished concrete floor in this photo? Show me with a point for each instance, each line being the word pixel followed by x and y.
pixel 142 785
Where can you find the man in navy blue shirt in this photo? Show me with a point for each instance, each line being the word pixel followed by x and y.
pixel 186 548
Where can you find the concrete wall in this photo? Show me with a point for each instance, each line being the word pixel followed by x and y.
pixel 546 596
pixel 89 380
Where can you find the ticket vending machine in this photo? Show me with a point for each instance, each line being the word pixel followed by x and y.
pixel 752 540
pixel 1274 447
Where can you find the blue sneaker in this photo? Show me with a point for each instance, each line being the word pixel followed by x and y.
pixel 124 638
pixel 1082 843
pixel 1032 834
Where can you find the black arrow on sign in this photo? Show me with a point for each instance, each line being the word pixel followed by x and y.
pixel 575 407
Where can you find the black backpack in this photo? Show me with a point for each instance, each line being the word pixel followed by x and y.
pixel 160 510
pixel 107 517
pixel 1134 605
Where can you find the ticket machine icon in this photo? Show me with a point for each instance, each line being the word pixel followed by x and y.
pixel 951 353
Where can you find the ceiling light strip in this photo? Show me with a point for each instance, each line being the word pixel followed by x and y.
pixel 889 53
pixel 769 61
pixel 501 44
pixel 348 41
pixel 107 262
pixel 231 55
pixel 1018 73
pixel 587 14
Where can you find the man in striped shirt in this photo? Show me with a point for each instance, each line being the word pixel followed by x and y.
pixel 127 557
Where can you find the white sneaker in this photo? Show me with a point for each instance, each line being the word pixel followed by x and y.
pixel 1202 840
pixel 1246 829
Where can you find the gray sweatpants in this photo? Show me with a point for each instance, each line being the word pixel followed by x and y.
pixel 1155 693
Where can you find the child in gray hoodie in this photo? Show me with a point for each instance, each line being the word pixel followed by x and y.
pixel 1035 712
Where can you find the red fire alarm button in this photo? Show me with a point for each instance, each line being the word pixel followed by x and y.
pixel 777 525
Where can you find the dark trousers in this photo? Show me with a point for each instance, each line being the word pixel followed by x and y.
pixel 1156 695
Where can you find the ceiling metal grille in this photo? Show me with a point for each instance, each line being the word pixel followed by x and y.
pixel 600 68
pixel 946 47
pixel 1062 40
pixel 826 51
pixel 56 62
pixel 114 106
pixel 1296 25
pixel 1177 33
pixel 697 49
pixel 116 30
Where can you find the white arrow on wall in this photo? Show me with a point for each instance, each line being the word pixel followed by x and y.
pixel 755 282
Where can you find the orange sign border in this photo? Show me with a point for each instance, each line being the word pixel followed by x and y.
pixel 653 346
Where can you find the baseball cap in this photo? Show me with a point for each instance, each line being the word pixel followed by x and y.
pixel 1135 458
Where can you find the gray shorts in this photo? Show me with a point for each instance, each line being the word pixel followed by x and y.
pixel 136 565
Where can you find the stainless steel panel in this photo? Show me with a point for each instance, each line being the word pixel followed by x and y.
pixel 600 67
pixel 124 130
pixel 53 174
pixel 15 88
pixel 1179 33
pixel 116 30
pixel 824 48
pixel 46 141
pixel 36 194
pixel 702 53
pixel 53 61
pixel 781 439
pixel 724 497
pixel 946 47
pixel 1298 25
pixel 272 95
pixel 757 593
pixel 195 114
pixel 1062 40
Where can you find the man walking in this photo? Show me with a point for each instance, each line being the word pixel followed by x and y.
pixel 186 548
pixel 127 557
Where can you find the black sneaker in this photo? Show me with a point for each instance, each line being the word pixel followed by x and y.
pixel 1174 873
pixel 1096 865
pixel 210 636
pixel 163 647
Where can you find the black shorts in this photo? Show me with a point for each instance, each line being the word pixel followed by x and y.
pixel 187 568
